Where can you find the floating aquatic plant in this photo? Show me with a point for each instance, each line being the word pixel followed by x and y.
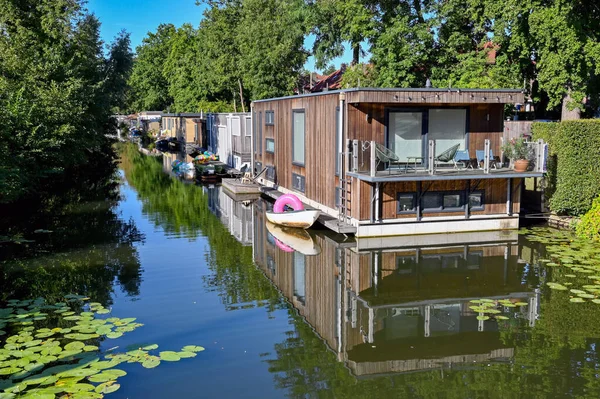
pixel 39 362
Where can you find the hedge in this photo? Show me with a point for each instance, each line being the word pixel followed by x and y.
pixel 589 225
pixel 573 164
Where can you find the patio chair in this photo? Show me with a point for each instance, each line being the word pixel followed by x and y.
pixel 463 158
pixel 385 155
pixel 480 154
pixel 447 156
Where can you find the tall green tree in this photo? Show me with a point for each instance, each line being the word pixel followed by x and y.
pixel 56 94
pixel 149 87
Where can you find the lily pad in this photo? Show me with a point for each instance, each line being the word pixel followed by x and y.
pixel 577 300
pixel 169 356
pixel 74 346
pixel 483 318
pixel 151 362
pixel 107 387
pixel 192 348
pixel 114 335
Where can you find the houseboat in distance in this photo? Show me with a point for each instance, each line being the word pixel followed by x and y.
pixel 389 162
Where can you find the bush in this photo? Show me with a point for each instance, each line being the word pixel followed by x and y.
pixel 575 163
pixel 589 225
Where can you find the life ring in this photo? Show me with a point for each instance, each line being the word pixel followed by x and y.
pixel 290 200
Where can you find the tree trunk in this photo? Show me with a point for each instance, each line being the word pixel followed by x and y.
pixel 242 96
pixel 355 53
pixel 568 114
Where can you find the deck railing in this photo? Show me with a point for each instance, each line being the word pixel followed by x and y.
pixel 364 157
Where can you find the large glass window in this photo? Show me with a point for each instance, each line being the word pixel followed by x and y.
pixel 405 134
pixel 298 137
pixel 447 127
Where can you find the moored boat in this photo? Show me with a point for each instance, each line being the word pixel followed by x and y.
pixel 300 219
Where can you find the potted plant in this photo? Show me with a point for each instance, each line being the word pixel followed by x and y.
pixel 517 151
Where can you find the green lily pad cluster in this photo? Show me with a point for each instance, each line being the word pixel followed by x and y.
pixel 39 362
pixel 488 308
pixel 578 260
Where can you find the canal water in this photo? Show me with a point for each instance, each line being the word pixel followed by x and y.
pixel 288 314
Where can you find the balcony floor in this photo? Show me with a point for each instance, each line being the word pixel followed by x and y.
pixel 441 173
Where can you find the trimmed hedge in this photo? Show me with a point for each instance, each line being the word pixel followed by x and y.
pixel 589 225
pixel 573 164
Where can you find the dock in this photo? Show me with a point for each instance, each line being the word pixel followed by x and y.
pixel 326 220
pixel 241 191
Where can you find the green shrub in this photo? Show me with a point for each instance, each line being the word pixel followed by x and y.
pixel 589 225
pixel 575 160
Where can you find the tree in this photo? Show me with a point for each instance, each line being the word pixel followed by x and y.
pixel 149 87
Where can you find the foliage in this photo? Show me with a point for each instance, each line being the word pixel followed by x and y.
pixel 149 87
pixel 576 146
pixel 50 349
pixel 516 148
pixel 589 225
pixel 58 93
pixel 359 75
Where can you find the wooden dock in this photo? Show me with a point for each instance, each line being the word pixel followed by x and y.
pixel 326 220
pixel 241 191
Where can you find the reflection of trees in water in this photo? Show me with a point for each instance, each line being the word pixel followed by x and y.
pixel 87 249
pixel 182 209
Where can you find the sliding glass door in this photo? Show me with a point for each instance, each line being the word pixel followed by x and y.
pixel 405 135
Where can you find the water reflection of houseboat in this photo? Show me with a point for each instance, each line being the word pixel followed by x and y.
pixel 400 309
pixel 235 215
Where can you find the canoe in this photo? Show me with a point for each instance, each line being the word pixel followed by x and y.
pixel 298 240
pixel 301 219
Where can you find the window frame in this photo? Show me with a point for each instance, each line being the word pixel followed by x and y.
pixel 294 162
pixel 248 127
pixel 270 113
pixel 270 170
pixel 269 140
pixel 295 177
pixel 463 201
pixel 232 121
pixel 477 208
pixel 414 203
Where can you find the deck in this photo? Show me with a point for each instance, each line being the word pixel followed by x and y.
pixel 421 174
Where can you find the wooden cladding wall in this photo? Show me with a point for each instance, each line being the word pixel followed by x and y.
pixel 434 97
pixel 320 147
pixel 494 202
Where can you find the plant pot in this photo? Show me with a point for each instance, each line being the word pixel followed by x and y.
pixel 521 165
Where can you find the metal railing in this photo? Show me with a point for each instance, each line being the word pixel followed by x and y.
pixel 365 158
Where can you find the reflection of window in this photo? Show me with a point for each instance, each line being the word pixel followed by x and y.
pixel 451 201
pixel 270 145
pixel 299 277
pixel 258 167
pixel 447 127
pixel 406 264
pixel 406 203
pixel 432 201
pixel 270 239
pixel 271 265
pixel 248 127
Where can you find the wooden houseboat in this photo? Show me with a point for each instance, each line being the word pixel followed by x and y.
pixel 187 128
pixel 405 308
pixel 229 136
pixel 387 162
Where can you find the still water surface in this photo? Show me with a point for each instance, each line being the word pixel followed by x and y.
pixel 334 321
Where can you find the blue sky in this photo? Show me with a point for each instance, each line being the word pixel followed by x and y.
pixel 142 16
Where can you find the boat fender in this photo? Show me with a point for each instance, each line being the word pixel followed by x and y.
pixel 290 200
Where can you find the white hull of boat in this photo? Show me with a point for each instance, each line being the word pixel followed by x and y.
pixel 297 239
pixel 300 219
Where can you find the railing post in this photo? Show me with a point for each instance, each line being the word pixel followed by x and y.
pixel 373 159
pixel 539 155
pixel 431 157
pixel 502 151
pixel 486 157
pixel 354 155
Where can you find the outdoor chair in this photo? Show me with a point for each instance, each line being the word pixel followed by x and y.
pixel 447 156
pixel 480 154
pixel 463 158
pixel 385 155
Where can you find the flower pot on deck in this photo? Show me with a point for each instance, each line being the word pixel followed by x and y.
pixel 521 165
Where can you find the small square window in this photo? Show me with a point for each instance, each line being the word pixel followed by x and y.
pixel 406 203
pixel 451 201
pixel 476 200
pixel 269 118
pixel 270 173
pixel 270 145
pixel 298 182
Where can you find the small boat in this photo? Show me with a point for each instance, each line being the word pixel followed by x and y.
pixel 298 240
pixel 300 219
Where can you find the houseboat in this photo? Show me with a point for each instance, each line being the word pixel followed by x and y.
pixel 186 128
pixel 388 162
pixel 229 136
